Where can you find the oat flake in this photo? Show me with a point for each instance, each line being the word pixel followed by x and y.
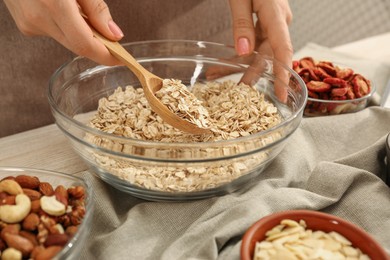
pixel 231 110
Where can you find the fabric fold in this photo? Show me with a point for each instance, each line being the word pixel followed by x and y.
pixel 331 164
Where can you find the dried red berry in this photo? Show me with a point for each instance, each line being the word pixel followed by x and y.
pixel 350 94
pixel 328 67
pixel 318 86
pixel 307 62
pixel 321 73
pixel 339 92
pixel 361 86
pixel 295 65
pixel 336 82
pixel 344 73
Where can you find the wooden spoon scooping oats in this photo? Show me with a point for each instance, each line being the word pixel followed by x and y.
pixel 165 97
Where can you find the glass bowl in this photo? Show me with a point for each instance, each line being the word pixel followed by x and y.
pixel 333 88
pixel 316 221
pixel 174 171
pixel 74 246
pixel 322 107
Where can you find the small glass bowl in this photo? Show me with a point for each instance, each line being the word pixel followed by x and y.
pixel 322 107
pixel 73 248
pixel 316 221
pixel 76 87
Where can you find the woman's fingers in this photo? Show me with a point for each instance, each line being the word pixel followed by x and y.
pixel 243 26
pixel 62 21
pixel 274 17
pixel 100 18
pixel 271 35
pixel 77 35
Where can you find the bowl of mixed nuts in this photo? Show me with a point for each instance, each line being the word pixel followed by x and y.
pixel 105 115
pixel 332 88
pixel 308 234
pixel 43 214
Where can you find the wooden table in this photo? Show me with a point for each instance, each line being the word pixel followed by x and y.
pixel 44 148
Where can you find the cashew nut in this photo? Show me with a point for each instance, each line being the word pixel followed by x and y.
pixel 11 254
pixel 11 187
pixel 52 206
pixel 16 213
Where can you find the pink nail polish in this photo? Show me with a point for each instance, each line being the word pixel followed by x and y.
pixel 114 28
pixel 243 46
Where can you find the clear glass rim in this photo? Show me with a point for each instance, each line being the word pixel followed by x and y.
pixel 366 97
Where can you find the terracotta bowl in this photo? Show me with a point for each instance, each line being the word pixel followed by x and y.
pixel 316 221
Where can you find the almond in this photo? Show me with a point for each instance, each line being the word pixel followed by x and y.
pixel 30 236
pixel 46 189
pixel 29 182
pixel 8 200
pixel 36 251
pixel 56 240
pixel 12 229
pixel 61 195
pixel 35 206
pixel 32 194
pixel 19 243
pixel 31 222
pixel 48 253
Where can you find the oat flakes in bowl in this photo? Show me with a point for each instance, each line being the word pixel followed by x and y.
pixel 109 123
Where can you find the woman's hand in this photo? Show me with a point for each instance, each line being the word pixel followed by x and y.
pixel 270 36
pixel 62 21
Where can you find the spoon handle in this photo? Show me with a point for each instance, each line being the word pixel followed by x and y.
pixel 124 56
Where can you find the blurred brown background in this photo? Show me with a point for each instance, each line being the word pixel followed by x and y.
pixel 26 64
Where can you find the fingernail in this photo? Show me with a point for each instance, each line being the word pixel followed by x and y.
pixel 243 46
pixel 114 28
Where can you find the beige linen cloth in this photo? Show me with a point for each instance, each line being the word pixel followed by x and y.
pixel 334 164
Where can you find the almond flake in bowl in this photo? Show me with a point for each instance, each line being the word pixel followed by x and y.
pixel 308 234
pixel 293 240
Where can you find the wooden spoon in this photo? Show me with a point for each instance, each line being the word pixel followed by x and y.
pixel 150 84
